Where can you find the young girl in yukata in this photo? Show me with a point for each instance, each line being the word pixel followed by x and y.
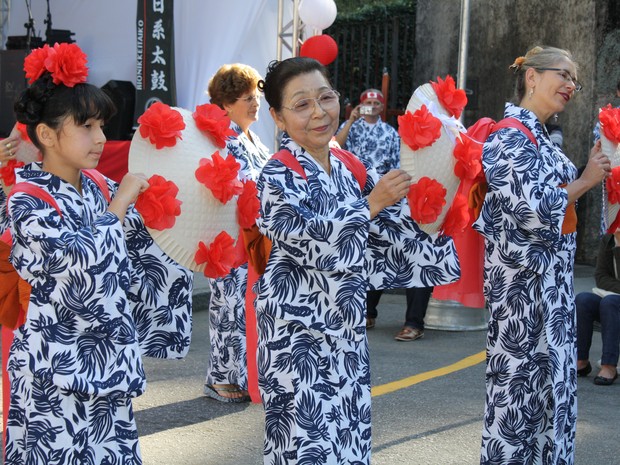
pixel 333 238
pixel 103 294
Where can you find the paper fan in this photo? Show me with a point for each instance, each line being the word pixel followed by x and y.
pixel 202 217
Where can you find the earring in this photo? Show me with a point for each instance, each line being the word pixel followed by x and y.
pixel 531 92
pixel 555 118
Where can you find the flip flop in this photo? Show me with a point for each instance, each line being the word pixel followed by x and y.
pixel 213 393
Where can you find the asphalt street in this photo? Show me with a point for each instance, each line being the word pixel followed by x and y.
pixel 428 401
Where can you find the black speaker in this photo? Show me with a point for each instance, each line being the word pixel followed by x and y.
pixel 13 82
pixel 123 94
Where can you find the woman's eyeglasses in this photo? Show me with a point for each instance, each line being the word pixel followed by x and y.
pixel 565 75
pixel 250 98
pixel 327 101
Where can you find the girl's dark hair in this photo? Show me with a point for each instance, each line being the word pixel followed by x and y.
pixel 49 103
pixel 279 73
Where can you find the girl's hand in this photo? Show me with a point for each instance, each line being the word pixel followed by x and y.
pixel 8 148
pixel 130 187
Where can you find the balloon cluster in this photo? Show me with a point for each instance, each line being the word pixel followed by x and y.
pixel 319 14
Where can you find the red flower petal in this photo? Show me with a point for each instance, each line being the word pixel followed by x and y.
pixel 161 125
pixel 457 217
pixel 451 98
pixel 220 176
pixel 613 186
pixel 420 129
pixel 7 172
pixel 23 131
pixel 214 122
pixel 34 63
pixel 468 154
pixel 426 200
pixel 610 123
pixel 219 256
pixel 248 205
pixel 67 63
pixel 158 204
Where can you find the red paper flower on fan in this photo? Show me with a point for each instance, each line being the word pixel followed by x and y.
pixel 7 172
pixel 451 98
pixel 613 186
pixel 23 131
pixel 34 63
pixel 248 205
pixel 161 125
pixel 420 129
pixel 158 204
pixel 67 63
pixel 457 217
pixel 219 256
pixel 610 123
pixel 426 200
pixel 468 155
pixel 214 122
pixel 220 176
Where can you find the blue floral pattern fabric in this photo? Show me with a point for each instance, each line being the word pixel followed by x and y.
pixel 228 354
pixel 103 296
pixel 531 404
pixel 311 303
pixel 378 144
pixel 4 219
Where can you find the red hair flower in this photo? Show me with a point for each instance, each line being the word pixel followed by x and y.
pixel 426 200
pixel 468 155
pixel 158 204
pixel 220 176
pixel 34 63
pixel 161 125
pixel 214 122
pixel 420 129
pixel 248 205
pixel 219 256
pixel 457 218
pixel 67 64
pixel 451 98
pixel 613 186
pixel 610 123
pixel 23 131
pixel 7 172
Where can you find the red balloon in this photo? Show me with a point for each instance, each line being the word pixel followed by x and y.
pixel 322 48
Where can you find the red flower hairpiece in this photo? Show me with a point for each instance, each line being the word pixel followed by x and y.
pixel 65 62
pixel 468 155
pixel 23 131
pixel 613 186
pixel 457 217
pixel 219 256
pixel 420 129
pixel 426 200
pixel 7 172
pixel 610 123
pixel 158 204
pixel 220 176
pixel 451 98
pixel 214 122
pixel 161 125
pixel 248 205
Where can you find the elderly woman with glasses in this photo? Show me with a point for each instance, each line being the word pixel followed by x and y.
pixel 528 221
pixel 336 229
pixel 234 89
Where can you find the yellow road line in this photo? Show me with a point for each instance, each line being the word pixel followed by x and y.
pixel 410 381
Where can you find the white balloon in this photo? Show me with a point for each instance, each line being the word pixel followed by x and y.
pixel 320 14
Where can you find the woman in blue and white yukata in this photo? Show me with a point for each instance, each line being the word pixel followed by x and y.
pixel 528 221
pixel 233 88
pixel 103 294
pixel 332 239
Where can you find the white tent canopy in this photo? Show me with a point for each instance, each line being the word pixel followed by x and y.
pixel 208 33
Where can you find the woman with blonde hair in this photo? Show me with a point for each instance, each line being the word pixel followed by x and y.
pixel 528 221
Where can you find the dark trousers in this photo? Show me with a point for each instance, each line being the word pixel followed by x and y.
pixel 417 302
pixel 606 310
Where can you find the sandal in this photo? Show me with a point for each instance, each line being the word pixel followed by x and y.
pixel 370 322
pixel 409 334
pixel 214 393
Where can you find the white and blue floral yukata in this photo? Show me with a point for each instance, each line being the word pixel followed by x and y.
pixel 378 144
pixel 227 357
pixel 531 406
pixel 103 296
pixel 313 360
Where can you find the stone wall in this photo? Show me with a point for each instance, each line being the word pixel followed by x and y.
pixel 501 30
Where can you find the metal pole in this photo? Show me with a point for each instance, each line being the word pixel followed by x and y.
pixel 5 10
pixel 463 45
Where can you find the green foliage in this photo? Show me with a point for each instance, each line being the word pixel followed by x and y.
pixel 350 9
